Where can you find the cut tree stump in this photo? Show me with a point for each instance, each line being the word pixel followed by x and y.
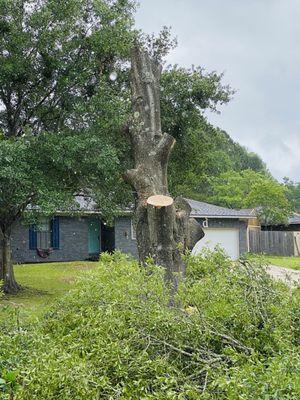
pixel 160 200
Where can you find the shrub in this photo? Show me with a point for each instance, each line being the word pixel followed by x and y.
pixel 233 335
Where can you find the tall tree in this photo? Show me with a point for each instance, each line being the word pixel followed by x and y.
pixel 163 226
pixel 58 60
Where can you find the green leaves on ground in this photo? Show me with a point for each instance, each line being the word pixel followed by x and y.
pixel 235 335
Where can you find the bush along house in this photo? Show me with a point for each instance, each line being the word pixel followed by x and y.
pixel 83 235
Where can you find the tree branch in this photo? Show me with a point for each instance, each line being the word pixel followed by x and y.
pixel 164 147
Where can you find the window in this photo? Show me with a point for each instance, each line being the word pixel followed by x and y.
pixel 133 231
pixel 45 234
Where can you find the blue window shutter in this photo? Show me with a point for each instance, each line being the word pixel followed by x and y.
pixel 55 233
pixel 32 238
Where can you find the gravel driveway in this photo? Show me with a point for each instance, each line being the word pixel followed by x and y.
pixel 290 276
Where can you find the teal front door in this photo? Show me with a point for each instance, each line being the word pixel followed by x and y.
pixel 94 236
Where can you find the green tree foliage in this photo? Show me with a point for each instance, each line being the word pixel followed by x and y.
pixel 293 193
pixel 58 62
pixel 202 151
pixel 249 189
pixel 234 336
pixel 54 55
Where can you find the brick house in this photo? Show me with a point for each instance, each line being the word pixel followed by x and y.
pixel 82 234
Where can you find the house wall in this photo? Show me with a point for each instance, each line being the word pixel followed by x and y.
pixel 125 243
pixel 227 223
pixel 73 242
pixel 123 236
pixel 74 239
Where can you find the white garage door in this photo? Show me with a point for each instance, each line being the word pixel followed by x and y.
pixel 226 238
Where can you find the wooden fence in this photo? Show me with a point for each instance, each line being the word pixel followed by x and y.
pixel 273 242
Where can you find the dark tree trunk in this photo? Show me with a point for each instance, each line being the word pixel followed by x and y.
pixel 162 225
pixel 6 266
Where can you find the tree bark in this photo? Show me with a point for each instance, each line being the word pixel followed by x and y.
pixel 6 266
pixel 163 231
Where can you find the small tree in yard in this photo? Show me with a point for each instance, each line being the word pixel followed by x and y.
pixel 55 61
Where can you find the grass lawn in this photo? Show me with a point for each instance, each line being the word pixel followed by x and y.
pixel 287 262
pixel 42 284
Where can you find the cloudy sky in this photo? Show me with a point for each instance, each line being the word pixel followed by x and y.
pixel 257 44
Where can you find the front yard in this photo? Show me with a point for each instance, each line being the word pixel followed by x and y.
pixel 42 284
pixel 287 262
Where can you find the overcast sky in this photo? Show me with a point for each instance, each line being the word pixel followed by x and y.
pixel 257 44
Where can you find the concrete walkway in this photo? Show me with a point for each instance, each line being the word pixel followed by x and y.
pixel 290 276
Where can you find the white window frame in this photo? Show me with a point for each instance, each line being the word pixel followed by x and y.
pixel 133 231
pixel 43 228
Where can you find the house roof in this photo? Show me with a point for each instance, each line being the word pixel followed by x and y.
pixel 206 210
pixel 84 203
pixel 199 209
pixel 295 219
pixel 87 205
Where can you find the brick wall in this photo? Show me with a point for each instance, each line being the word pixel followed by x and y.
pixel 123 236
pixel 73 242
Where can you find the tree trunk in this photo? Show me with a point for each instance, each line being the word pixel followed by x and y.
pixel 162 225
pixel 6 266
